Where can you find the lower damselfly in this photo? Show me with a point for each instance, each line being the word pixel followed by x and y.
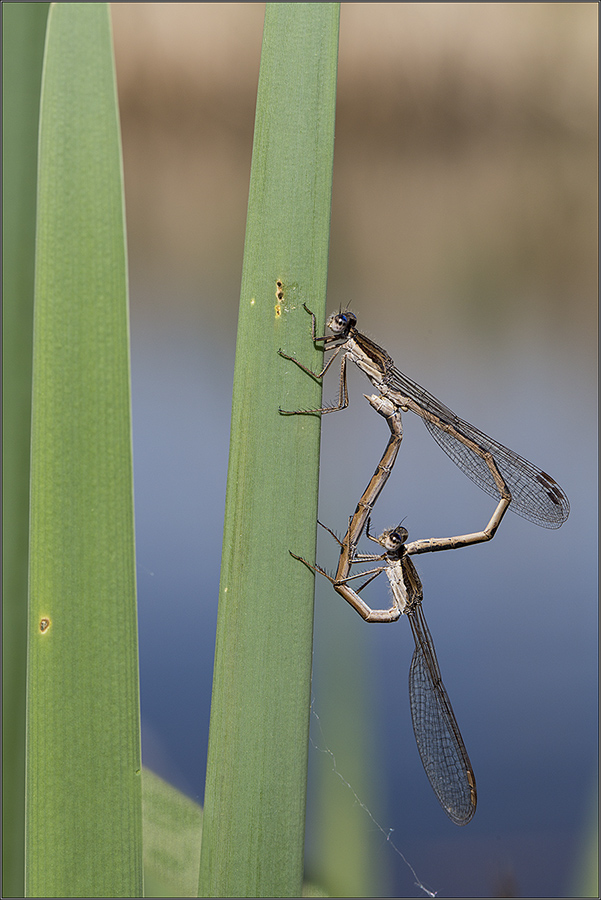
pixel 437 733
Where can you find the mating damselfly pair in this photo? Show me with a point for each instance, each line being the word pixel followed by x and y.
pixel 515 482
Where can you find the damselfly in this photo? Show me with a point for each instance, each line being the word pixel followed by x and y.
pixel 437 733
pixel 493 467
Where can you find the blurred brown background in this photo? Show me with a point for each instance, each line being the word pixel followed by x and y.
pixel 464 131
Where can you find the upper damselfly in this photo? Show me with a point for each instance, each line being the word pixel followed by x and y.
pixel 492 466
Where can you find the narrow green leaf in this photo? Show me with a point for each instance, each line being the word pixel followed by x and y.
pixel 254 811
pixel 83 803
pixel 23 31
pixel 172 834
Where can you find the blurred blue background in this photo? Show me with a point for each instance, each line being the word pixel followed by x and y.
pixel 464 232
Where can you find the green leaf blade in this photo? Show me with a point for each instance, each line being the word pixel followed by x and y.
pixel 83 835
pixel 254 810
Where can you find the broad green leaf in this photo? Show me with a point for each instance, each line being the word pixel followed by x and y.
pixel 83 801
pixel 254 812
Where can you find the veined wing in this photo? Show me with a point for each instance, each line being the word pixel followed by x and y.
pixel 535 495
pixel 437 734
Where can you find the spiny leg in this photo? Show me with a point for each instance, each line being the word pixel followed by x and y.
pixel 341 587
pixel 342 393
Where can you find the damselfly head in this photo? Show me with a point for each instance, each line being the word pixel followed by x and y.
pixel 340 323
pixel 393 539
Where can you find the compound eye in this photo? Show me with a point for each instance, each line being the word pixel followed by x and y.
pixel 341 323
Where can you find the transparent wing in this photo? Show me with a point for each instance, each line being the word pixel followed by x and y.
pixel 535 495
pixel 437 734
